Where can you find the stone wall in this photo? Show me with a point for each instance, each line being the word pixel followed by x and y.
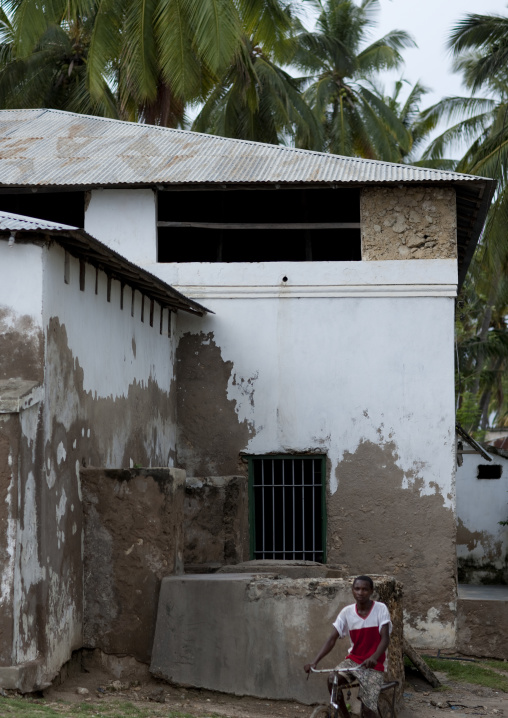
pixel 133 538
pixel 216 521
pixel 408 223
pixel 264 629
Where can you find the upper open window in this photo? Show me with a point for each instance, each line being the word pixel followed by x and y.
pixel 270 225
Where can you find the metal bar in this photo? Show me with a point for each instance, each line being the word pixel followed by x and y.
pixel 294 517
pixel 263 503
pixel 303 514
pixel 313 517
pixel 283 514
pixel 273 504
pixel 263 225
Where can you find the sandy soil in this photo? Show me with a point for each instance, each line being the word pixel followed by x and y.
pixel 160 699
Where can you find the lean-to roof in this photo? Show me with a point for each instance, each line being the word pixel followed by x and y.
pixel 83 246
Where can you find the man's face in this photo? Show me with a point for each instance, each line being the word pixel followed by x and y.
pixel 362 592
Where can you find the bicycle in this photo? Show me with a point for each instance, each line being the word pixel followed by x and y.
pixel 386 708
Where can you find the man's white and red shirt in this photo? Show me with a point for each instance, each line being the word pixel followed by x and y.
pixel 364 633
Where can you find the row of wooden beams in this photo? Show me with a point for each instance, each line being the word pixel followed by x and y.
pixel 263 225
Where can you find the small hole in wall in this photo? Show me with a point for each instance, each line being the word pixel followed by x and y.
pixel 489 471
pixel 284 279
pixel 425 236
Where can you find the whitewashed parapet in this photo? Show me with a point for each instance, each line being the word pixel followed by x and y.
pixel 408 223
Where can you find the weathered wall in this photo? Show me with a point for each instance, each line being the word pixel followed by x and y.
pixel 482 628
pixel 216 520
pixel 354 360
pixel 233 655
pixel 408 223
pixel 107 400
pixel 133 536
pixel 21 330
pixel 482 544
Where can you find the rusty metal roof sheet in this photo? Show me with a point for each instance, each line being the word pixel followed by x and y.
pixel 83 246
pixel 51 147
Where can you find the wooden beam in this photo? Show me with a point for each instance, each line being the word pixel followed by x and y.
pixel 263 225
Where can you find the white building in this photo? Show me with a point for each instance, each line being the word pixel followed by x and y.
pixel 322 379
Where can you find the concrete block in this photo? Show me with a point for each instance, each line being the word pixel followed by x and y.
pixel 248 634
pixel 482 627
pixel 133 537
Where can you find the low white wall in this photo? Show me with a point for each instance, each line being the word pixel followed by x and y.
pixel 482 544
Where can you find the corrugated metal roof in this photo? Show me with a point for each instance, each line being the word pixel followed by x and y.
pixel 15 222
pixel 51 147
pixel 83 246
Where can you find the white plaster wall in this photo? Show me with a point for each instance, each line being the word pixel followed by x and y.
pixel 21 285
pixel 326 374
pixel 330 371
pixel 481 504
pixel 101 334
pixel 125 220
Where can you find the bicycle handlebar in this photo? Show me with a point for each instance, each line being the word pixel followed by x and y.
pixel 335 670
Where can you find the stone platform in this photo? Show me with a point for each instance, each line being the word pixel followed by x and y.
pixel 251 634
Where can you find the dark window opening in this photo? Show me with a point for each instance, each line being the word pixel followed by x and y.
pixel 287 508
pixel 489 471
pixel 64 207
pixel 312 207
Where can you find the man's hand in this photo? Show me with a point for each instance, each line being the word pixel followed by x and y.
pixel 369 662
pixel 308 666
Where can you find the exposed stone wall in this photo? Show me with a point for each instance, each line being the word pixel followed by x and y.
pixel 210 433
pixel 408 223
pixel 216 520
pixel 382 520
pixel 133 537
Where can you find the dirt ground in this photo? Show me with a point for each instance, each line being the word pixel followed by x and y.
pixel 161 699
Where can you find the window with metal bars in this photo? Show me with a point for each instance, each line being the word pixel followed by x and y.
pixel 287 507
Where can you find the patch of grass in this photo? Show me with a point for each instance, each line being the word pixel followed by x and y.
pixel 29 708
pixel 478 673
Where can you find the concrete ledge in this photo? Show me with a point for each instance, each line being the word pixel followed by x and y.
pixel 249 634
pixel 25 678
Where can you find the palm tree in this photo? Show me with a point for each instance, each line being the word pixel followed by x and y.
pixel 355 120
pixel 147 58
pixel 478 43
pixel 255 98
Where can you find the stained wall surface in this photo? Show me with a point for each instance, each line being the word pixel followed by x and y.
pixel 106 399
pixel 482 544
pixel 353 360
pixel 133 537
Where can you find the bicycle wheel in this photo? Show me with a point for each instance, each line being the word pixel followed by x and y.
pixel 322 711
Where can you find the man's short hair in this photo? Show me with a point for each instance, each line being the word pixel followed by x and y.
pixel 365 578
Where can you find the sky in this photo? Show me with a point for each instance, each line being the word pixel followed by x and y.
pixel 429 22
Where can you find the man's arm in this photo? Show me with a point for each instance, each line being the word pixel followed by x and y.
pixel 371 661
pixel 325 650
